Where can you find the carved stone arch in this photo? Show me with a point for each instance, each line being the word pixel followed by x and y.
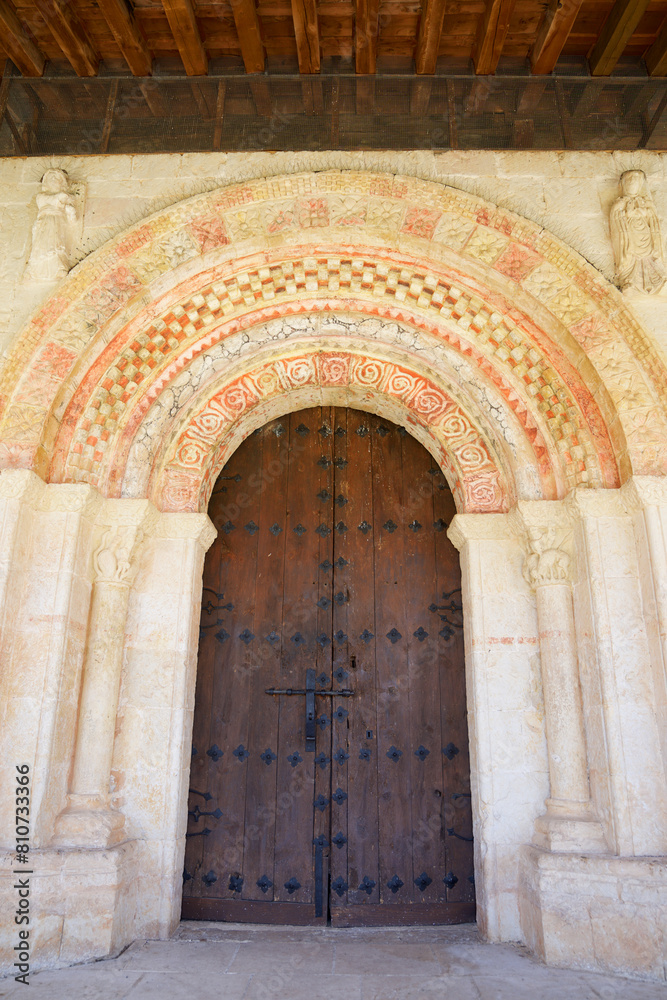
pixel 530 313
pixel 380 373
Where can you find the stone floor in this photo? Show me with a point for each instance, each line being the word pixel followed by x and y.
pixel 207 961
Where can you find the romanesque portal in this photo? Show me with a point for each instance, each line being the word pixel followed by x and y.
pixel 538 395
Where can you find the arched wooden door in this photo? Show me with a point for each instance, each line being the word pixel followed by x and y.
pixel 332 581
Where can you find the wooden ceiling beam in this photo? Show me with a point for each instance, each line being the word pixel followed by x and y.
pixel 250 37
pixel 552 34
pixel 183 24
pixel 366 36
pixel 491 34
pixel 70 35
pixel 428 39
pixel 656 57
pixel 615 35
pixel 126 32
pixel 306 30
pixel 23 53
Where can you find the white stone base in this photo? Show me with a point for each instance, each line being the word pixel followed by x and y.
pixel 83 905
pixel 602 913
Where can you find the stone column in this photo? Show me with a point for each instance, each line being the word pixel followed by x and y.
pixel 89 819
pixel 569 823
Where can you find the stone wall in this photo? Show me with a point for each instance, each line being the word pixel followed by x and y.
pixel 570 194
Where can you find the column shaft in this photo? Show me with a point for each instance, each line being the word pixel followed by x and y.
pixel 568 774
pixel 100 689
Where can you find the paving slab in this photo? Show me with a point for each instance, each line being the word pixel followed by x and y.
pixel 213 961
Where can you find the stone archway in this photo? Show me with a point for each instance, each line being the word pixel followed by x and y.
pixel 502 350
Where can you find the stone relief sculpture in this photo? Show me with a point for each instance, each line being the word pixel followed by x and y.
pixel 635 236
pixel 52 231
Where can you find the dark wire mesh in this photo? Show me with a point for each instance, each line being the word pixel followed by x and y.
pixel 71 116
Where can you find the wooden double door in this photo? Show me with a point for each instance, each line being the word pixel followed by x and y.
pixel 330 771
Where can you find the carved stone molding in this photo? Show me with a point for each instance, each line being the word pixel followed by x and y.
pixel 645 491
pixel 196 526
pixel 21 484
pixel 480 528
pixel 597 503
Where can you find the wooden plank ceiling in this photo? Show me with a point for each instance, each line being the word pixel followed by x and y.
pixel 176 36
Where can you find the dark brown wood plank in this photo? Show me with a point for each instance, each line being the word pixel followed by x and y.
pixel 365 95
pixel 250 39
pixel 299 785
pixel 491 35
pixel 428 39
pixel 393 727
pixel 420 96
pixel 21 50
pixel 203 768
pixel 323 598
pixel 154 95
pixel 306 31
pixel 70 35
pixel 261 94
pixel 652 124
pixel 234 673
pixel 656 57
pixel 455 762
pixel 248 911
pixel 553 33
pixel 183 24
pixel 219 115
pixel 355 668
pixel 262 788
pixel 615 35
pixel 109 116
pixel 403 914
pixel 126 32
pixel 366 30
pixel 531 95
pixel 422 641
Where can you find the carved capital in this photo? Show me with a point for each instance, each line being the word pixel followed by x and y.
pixel 20 484
pixel 547 560
pixel 113 559
pixel 583 503
pixel 547 535
pixel 645 491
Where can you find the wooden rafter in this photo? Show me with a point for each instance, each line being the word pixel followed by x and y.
pixel 616 33
pixel 366 35
pixel 306 30
pixel 553 33
pixel 19 47
pixel 656 57
pixel 70 35
pixel 181 17
pixel 491 35
pixel 428 39
pixel 250 38
pixel 126 32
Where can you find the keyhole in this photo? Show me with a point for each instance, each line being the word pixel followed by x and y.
pixel 353 663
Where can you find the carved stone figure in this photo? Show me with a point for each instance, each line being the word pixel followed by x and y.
pixel 56 212
pixel 635 236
